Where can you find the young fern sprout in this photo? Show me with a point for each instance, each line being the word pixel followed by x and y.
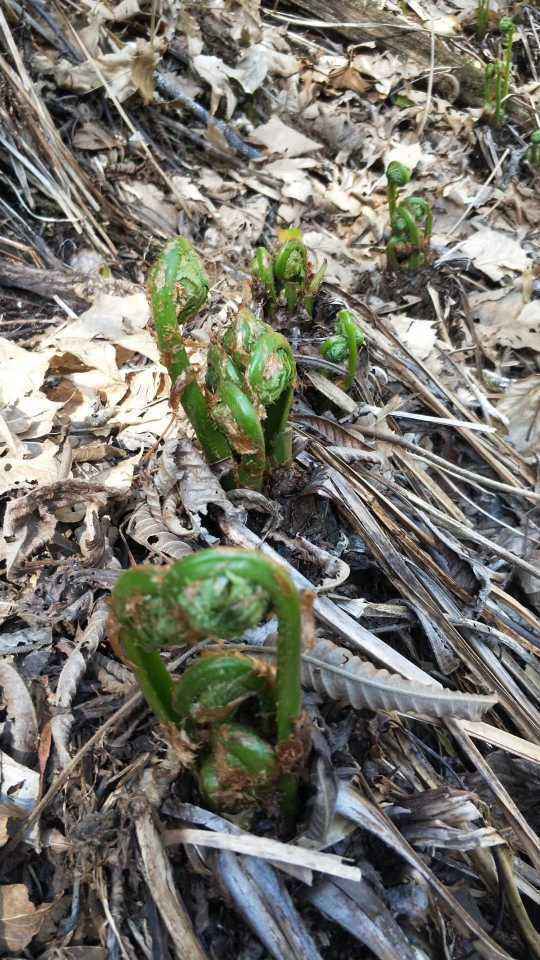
pixel 497 75
pixel 397 176
pixel 493 106
pixel 250 379
pixel 241 415
pixel 288 277
pixel 345 344
pixel 178 288
pixel 411 234
pixel 533 151
pixel 508 29
pixel 482 18
pixel 219 593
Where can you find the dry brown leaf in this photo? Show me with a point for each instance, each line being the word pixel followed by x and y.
pixel 494 253
pixel 142 70
pixel 93 136
pixel 20 919
pixel 348 78
pixel 155 535
pixel 277 137
pixel 216 73
pixel 150 203
pixel 126 70
pixel 521 407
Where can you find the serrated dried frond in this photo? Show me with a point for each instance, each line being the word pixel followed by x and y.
pixel 335 672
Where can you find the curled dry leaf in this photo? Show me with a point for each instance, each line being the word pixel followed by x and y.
pixel 73 670
pixel 30 521
pixel 155 535
pixel 20 729
pixel 20 919
pixel 335 571
pixel 335 672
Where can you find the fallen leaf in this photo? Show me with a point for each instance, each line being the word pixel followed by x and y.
pixel 411 154
pixel 16 470
pixel 418 336
pixel 494 253
pixel 20 919
pixel 505 320
pixel 216 73
pixel 151 203
pixel 21 371
pixel 348 78
pixel 259 60
pixel 279 138
pixel 521 406
pixel 111 317
pixel 93 136
pixel 126 70
pixel 153 534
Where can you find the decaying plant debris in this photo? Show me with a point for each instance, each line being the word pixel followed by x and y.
pixel 409 515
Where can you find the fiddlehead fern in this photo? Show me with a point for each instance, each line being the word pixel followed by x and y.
pixel 533 151
pixel 178 288
pixel 252 376
pixel 218 593
pixel 508 30
pixel 397 176
pixel 348 339
pixel 497 76
pixel 411 234
pixel 288 277
pixel 241 417
pixel 482 17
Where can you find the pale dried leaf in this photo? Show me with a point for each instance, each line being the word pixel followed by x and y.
pixel 198 487
pixel 267 849
pixel 521 405
pixel 216 73
pixel 494 253
pixel 91 135
pixel 419 336
pixel 20 722
pixel 155 536
pixel 21 371
pixel 126 70
pixel 331 391
pixel 336 673
pixel 150 201
pixel 70 676
pixel 279 138
pixel 30 521
pixel 112 317
pixel 160 881
pixel 20 919
pixel 411 154
pixel 43 468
